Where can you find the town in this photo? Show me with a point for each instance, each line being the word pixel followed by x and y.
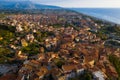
pixel 57 45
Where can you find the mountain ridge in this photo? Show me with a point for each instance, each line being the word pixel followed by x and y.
pixel 24 4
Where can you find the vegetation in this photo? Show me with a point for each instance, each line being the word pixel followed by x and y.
pixel 115 29
pixel 6 33
pixel 87 75
pixel 116 63
pixel 102 35
pixel 41 35
pixel 57 25
pixel 5 55
pixel 2 15
pixel 31 49
pixel 59 62
pixel 113 43
pixel 98 21
pixel 108 30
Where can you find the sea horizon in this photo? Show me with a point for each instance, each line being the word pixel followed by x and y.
pixel 108 14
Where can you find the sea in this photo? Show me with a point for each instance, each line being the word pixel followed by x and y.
pixel 108 14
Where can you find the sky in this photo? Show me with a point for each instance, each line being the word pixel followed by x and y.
pixel 81 3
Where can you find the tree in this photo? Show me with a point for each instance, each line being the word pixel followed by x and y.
pixel 5 55
pixel 31 49
pixel 59 62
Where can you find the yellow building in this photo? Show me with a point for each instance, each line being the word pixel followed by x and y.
pixel 24 43
pixel 1 38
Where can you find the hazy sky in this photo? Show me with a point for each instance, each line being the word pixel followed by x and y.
pixel 81 3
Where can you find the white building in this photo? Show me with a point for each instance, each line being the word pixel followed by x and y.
pixel 98 75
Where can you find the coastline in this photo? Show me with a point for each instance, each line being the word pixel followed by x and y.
pixel 103 14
